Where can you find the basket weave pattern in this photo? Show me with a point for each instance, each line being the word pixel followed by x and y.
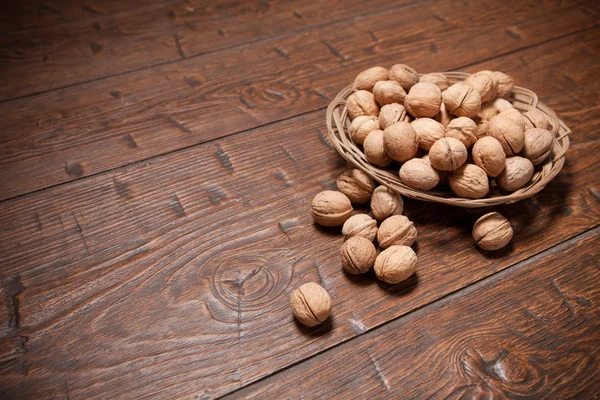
pixel 338 123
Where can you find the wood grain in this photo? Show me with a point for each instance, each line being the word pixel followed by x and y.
pixel 528 332
pixel 99 47
pixel 67 134
pixel 170 278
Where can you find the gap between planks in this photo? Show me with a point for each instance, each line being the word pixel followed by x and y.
pixel 182 149
pixel 443 300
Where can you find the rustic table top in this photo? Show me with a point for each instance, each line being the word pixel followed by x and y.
pixel 157 163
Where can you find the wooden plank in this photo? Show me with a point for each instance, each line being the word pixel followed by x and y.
pixel 531 331
pixel 79 131
pixel 171 277
pixel 59 56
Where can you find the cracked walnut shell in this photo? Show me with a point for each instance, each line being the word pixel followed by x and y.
pixel 331 208
pixel 311 304
pixel 492 231
pixel 360 225
pixel 447 154
pixel 469 181
pixel 385 203
pixel 423 100
pixel 360 103
pixel 390 114
pixel 358 255
pixel 367 78
pixel 396 230
pixel 462 100
pixel 508 133
pixel 356 185
pixel 362 126
pixel 395 264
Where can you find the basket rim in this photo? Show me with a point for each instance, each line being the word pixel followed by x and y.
pixel 523 99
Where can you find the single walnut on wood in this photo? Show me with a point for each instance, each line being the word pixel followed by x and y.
pixel 356 185
pixel 362 126
pixel 469 181
pixel 387 92
pixel 463 129
pixel 400 141
pixel 447 154
pixel 462 100
pixel 311 304
pixel 358 255
pixel 517 172
pixel 538 145
pixel 367 79
pixel 391 113
pixel 331 208
pixel 385 203
pixel 395 264
pixel 492 231
pixel 360 225
pixel 419 174
pixel 396 230
pixel 404 75
pixel 360 103
pixel 428 132
pixel 374 150
pixel 423 100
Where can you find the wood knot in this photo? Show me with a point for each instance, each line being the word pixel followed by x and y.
pixel 268 94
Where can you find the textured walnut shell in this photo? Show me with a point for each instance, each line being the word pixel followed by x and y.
pixel 362 103
pixel 493 108
pixel 514 115
pixel 482 126
pixel 488 154
pixel 311 304
pixel 362 126
pixel 462 100
pixel 423 100
pixel 442 174
pixel 400 141
pixel 444 117
pixel 385 203
pixel 517 172
pixel 390 114
pixel 463 129
pixel 492 231
pixel 483 82
pixel 395 264
pixel 538 144
pixel 387 92
pixel 360 225
pixel 374 150
pixel 356 185
pixel 505 84
pixel 437 79
pixel 358 255
pixel 404 75
pixel 331 208
pixel 509 133
pixel 469 181
pixel 367 79
pixel 419 174
pixel 428 132
pixel 447 154
pixel 396 230
pixel 536 119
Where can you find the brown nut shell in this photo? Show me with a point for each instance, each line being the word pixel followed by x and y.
pixel 419 174
pixel 534 118
pixel 396 230
pixel 484 83
pixel 356 185
pixel 311 304
pixel 492 108
pixel 331 208
pixel 462 100
pixel 469 181
pixel 362 126
pixel 387 92
pixel 374 150
pixel 390 114
pixel 360 103
pixel 360 225
pixel 395 264
pixel 404 75
pixel 517 172
pixel 400 141
pixel 509 133
pixel 358 255
pixel 505 84
pixel 367 78
pixel 423 100
pixel 428 132
pixel 437 79
pixel 515 115
pixel 447 154
pixel 538 145
pixel 492 232
pixel 385 203
pixel 488 154
pixel 463 129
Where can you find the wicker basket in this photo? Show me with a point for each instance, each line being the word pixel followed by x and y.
pixel 338 124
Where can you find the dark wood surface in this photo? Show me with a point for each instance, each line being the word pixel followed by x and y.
pixel 155 212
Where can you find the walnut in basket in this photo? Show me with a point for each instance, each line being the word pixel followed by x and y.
pixel 419 174
pixel 517 172
pixel 484 83
pixel 428 132
pixel 509 133
pixel 404 75
pixel 387 92
pixel 391 113
pixel 489 155
pixel 423 100
pixel 447 154
pixel 505 84
pixel 367 79
pixel 400 141
pixel 374 150
pixel 469 181
pixel 463 129
pixel 362 126
pixel 462 100
pixel 538 144
pixel 360 103
pixel 437 79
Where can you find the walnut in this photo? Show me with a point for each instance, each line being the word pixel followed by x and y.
pixel 444 117
pixel 428 132
pixel 387 92
pixel 469 181
pixel 462 100
pixel 505 84
pixel 358 255
pixel 367 79
pixel 493 108
pixel 534 118
pixel 483 82
pixel 447 154
pixel 396 230
pixel 311 304
pixel 419 174
pixel 492 231
pixel 391 113
pixel 362 103
pixel 400 141
pixel 482 126
pixel 517 172
pixel 330 208
pixel 395 264
pixel 515 115
pixel 360 225
pixel 356 185
pixel 463 129
pixel 489 155
pixel 442 174
pixel 385 203
pixel 538 145
pixel 508 133
pixel 404 75
pixel 423 100
pixel 437 79
pixel 374 150
pixel 362 126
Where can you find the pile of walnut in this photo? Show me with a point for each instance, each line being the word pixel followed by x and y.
pixel 395 113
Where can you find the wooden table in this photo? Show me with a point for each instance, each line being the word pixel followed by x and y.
pixel 157 163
